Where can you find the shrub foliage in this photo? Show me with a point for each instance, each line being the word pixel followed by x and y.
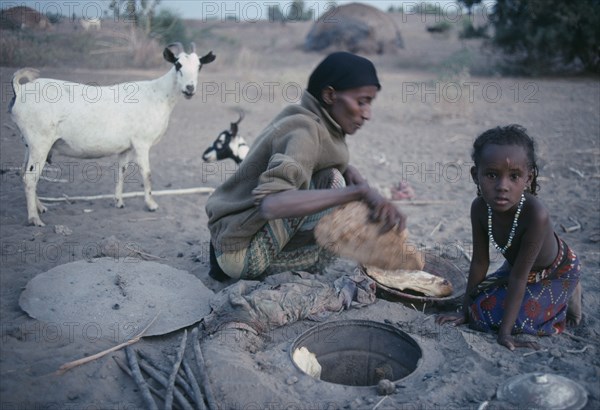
pixel 545 36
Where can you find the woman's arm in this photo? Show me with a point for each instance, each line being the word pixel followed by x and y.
pixel 297 203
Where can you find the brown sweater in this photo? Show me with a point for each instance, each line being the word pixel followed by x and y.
pixel 300 141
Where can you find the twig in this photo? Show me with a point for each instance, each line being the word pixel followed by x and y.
pixel 184 191
pixel 579 350
pixel 179 379
pixel 173 375
pixel 437 227
pixel 139 379
pixel 156 375
pixel 576 171
pixel 463 252
pixel 127 371
pixel 68 366
pixel 194 384
pixel 534 352
pixel 380 401
pixel 204 381
pixel 129 248
pixel 423 202
pixel 577 338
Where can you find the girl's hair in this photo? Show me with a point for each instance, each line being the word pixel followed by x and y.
pixel 513 134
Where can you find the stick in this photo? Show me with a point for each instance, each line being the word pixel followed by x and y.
pixel 423 202
pixel 576 171
pixel 68 366
pixel 183 191
pixel 173 375
pixel 129 248
pixel 380 401
pixel 139 379
pixel 156 375
pixel 577 338
pixel 127 371
pixel 534 352
pixel 194 384
pixel 157 366
pixel 437 227
pixel 208 393
pixel 580 350
pixel 464 253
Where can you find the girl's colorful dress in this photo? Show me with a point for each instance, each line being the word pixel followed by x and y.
pixel 544 307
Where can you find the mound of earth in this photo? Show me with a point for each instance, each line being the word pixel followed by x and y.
pixel 357 28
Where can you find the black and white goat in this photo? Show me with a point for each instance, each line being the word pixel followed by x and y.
pixel 228 145
pixel 125 119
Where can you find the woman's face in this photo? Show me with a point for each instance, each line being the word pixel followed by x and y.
pixel 350 108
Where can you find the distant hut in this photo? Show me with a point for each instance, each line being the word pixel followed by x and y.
pixel 22 17
pixel 355 27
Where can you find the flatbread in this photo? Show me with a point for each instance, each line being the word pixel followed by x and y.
pixel 117 298
pixel 307 362
pixel 416 280
pixel 348 232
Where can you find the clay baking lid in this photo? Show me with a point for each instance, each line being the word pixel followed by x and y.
pixel 543 391
pixel 109 295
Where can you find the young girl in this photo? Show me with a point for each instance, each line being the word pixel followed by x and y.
pixel 537 290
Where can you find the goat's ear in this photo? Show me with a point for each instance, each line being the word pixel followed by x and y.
pixel 209 58
pixel 172 51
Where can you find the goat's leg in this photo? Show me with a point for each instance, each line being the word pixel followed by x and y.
pixel 31 175
pixel 143 160
pixel 123 162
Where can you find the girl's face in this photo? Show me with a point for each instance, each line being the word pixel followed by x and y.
pixel 503 174
pixel 350 108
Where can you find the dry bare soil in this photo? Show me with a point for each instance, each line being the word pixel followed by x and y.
pixel 425 119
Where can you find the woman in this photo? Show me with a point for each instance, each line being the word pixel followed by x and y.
pixel 262 218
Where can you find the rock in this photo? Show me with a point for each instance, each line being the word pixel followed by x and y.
pixel 385 387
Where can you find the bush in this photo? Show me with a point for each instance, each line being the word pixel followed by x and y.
pixel 545 36
pixel 470 31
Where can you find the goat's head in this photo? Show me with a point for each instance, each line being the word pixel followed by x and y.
pixel 187 66
pixel 228 145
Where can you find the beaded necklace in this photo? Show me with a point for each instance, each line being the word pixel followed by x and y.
pixel 513 229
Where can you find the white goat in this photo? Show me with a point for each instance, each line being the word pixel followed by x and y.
pixel 88 23
pixel 228 145
pixel 85 121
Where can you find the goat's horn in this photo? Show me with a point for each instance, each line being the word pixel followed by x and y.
pixel 192 47
pixel 176 48
pixel 241 114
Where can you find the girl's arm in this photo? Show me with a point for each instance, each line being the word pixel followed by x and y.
pixel 529 249
pixel 480 260
pixel 479 264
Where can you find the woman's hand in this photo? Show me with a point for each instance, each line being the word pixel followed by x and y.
pixel 511 343
pixel 454 319
pixel 384 211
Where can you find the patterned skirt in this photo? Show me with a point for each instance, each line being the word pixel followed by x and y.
pixel 544 308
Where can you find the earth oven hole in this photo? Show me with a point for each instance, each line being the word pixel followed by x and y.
pixel 360 352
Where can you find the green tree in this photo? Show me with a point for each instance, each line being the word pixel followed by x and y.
pixel 548 35
pixel 469 5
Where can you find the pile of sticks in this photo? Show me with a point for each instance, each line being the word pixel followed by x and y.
pixel 180 387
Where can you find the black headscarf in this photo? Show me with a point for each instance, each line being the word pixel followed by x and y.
pixel 342 71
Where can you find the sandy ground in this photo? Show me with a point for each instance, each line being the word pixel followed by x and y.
pixel 421 133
